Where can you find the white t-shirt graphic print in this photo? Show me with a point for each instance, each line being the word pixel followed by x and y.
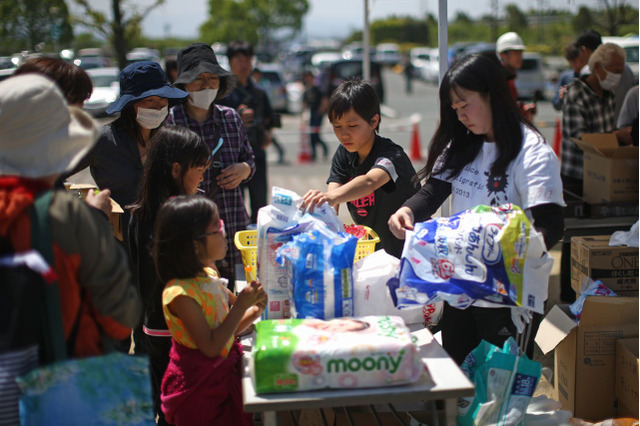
pixel 531 179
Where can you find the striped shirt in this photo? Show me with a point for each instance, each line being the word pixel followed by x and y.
pixel 235 149
pixel 14 364
pixel 583 112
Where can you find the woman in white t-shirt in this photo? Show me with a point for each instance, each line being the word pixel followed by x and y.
pixel 484 152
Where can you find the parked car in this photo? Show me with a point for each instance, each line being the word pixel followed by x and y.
pixel 6 73
pixel 630 46
pixel 143 54
pixel 388 54
pixel 91 62
pixel 530 80
pixel 106 89
pixel 274 83
pixel 347 69
pixel 426 63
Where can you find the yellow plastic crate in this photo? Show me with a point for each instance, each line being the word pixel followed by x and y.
pixel 247 243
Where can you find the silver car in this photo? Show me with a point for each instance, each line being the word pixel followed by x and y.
pixel 106 89
pixel 274 84
pixel 530 80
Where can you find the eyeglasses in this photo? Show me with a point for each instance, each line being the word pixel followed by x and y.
pixel 220 230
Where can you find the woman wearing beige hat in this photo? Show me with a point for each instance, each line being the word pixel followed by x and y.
pixel 117 159
pixel 40 138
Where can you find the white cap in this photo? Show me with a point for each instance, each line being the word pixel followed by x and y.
pixel 509 41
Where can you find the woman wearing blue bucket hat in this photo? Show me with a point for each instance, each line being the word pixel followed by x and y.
pixel 221 128
pixel 116 160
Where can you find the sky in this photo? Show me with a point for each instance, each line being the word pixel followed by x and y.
pixel 326 18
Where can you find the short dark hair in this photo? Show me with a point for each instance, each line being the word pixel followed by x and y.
pixel 239 47
pixel 73 81
pixel 170 65
pixel 356 94
pixel 181 221
pixel 590 39
pixel 571 51
pixel 170 144
pixel 452 142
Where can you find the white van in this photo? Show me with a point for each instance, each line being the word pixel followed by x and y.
pixel 630 46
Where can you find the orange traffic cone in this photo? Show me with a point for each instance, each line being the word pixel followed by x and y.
pixel 416 152
pixel 557 138
pixel 305 145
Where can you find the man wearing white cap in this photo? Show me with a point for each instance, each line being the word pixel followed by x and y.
pixel 40 138
pixel 509 47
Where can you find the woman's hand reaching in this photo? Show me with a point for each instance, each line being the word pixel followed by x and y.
pixel 401 221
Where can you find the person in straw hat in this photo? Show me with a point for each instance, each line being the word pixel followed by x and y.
pixel 221 128
pixel 40 138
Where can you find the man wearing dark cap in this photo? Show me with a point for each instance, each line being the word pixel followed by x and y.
pixel 253 105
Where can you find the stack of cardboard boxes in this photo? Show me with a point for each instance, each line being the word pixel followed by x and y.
pixel 596 360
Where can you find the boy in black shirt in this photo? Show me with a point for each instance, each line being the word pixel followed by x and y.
pixel 371 173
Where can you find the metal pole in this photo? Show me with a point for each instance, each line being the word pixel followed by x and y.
pixel 366 62
pixel 443 49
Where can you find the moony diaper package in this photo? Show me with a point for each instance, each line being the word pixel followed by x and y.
pixel 291 355
pixel 492 254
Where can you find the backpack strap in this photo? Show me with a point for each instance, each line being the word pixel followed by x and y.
pixel 54 347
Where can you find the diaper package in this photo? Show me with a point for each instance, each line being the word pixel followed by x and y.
pixel 292 355
pixel 322 264
pixel 278 223
pixel 504 381
pixel 485 253
pixel 371 294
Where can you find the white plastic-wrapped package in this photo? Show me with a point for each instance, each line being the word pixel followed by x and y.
pixel 371 294
pixel 278 223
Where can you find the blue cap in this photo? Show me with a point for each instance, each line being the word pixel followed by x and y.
pixel 141 80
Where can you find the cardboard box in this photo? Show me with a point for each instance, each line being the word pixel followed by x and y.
pixel 115 218
pixel 627 377
pixel 616 267
pixel 610 171
pixel 585 354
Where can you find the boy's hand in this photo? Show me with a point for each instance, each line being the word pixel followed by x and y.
pixel 401 221
pixel 315 198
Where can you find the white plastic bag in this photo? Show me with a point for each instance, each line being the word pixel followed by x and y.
pixel 371 294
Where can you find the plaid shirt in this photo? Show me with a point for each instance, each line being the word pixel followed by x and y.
pixel 235 149
pixel 583 112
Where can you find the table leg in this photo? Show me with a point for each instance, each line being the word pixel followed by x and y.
pixel 270 418
pixel 451 411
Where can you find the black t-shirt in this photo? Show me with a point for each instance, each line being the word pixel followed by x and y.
pixel 375 209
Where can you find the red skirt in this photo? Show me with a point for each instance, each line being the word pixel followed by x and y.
pixel 198 390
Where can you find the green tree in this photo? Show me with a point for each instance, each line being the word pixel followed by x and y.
pixel 121 29
pixel 255 21
pixel 28 23
pixel 400 30
pixel 615 14
pixel 516 19
pixel 583 20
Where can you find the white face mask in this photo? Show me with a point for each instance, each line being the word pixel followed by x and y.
pixel 611 81
pixel 151 118
pixel 203 98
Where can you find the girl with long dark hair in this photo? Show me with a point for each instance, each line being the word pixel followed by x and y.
pixel 484 152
